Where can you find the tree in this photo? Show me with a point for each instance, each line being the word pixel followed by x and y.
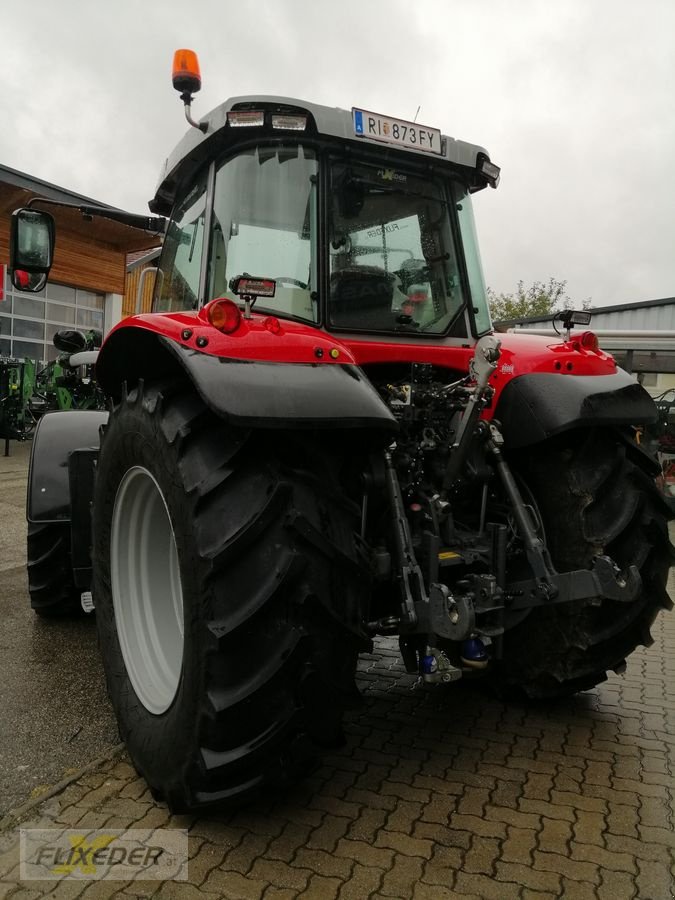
pixel 540 299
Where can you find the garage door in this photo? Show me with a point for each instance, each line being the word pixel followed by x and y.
pixel 28 321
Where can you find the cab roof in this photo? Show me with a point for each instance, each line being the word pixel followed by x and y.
pixel 197 146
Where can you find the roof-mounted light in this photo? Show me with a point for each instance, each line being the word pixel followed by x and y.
pixel 188 80
pixel 246 118
pixel 491 171
pixel 289 123
pixel 185 73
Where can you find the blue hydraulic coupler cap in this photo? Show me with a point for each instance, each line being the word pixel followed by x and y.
pixel 428 664
pixel 473 650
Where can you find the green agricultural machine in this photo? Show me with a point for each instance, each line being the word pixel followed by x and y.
pixel 17 383
pixel 28 390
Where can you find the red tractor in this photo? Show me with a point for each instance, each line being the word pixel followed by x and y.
pixel 315 438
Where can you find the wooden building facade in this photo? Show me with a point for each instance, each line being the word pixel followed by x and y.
pixel 87 282
pixel 137 264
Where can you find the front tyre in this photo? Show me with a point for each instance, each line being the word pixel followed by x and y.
pixel 228 598
pixel 595 494
pixel 53 594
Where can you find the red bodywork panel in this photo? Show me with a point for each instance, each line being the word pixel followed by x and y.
pixel 272 339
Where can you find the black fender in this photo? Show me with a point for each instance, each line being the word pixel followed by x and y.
pixel 249 393
pixel 535 407
pixel 57 436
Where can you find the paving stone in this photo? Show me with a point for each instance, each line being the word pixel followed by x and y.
pixel 555 836
pixel 208 857
pixel 622 819
pixel 654 881
pixel 280 874
pixel 616 886
pixel 248 850
pixel 367 825
pixel 442 867
pixel 326 836
pixel 665 836
pixel 95 798
pixel 234 886
pixel 562 865
pixel 513 817
pixel 537 879
pixel 287 844
pixel 519 845
pixel 403 843
pixel 365 854
pixel 547 809
pixel 475 825
pixel 481 856
pixel 606 859
pixel 405 815
pixel 323 863
pixel 277 893
pixel 321 888
pixel 363 882
pixel 654 812
pixel 401 879
pixel 579 890
pixel 487 888
pixel 637 848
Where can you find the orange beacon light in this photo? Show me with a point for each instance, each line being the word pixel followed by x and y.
pixel 185 73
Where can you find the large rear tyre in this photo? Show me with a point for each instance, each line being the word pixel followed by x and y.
pixel 228 598
pixel 595 494
pixel 53 594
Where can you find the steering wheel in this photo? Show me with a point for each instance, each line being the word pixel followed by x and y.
pixel 283 279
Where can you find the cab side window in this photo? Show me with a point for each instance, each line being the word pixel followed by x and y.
pixel 180 265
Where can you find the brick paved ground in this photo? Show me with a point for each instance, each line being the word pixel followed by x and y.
pixel 438 794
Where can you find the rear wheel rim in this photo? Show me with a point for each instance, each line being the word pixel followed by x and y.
pixel 146 590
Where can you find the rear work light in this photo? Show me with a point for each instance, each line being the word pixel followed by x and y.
pixel 246 118
pixel 224 314
pixel 490 170
pixel 289 123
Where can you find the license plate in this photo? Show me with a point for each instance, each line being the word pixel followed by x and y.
pixel 396 131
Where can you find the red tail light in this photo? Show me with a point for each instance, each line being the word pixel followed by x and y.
pixel 589 341
pixel 224 315
pixel 272 324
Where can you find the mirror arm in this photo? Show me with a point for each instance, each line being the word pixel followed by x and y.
pixel 154 224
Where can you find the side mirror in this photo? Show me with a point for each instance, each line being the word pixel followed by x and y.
pixel 69 340
pixel 31 248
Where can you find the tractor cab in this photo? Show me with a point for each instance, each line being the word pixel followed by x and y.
pixel 363 222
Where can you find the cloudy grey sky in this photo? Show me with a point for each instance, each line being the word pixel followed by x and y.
pixel 575 99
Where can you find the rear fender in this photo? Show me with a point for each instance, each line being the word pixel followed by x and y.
pixel 537 406
pixel 249 393
pixel 57 436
